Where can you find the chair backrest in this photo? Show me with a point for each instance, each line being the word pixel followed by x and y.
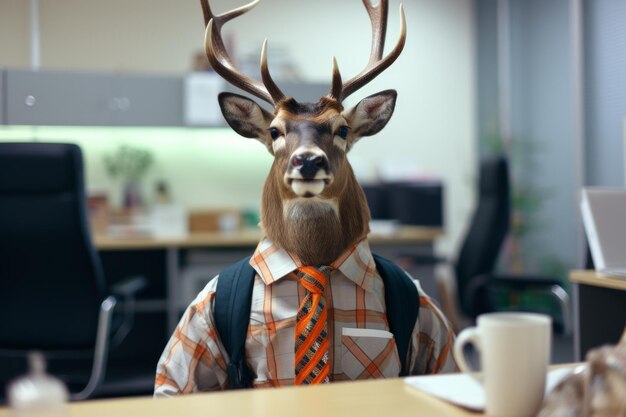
pixel 488 228
pixel 51 279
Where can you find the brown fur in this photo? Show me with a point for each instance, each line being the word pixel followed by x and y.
pixel 314 230
pixel 310 229
pixel 311 111
pixel 317 229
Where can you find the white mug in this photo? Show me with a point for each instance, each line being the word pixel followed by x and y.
pixel 514 353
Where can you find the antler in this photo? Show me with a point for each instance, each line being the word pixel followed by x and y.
pixel 221 62
pixel 376 64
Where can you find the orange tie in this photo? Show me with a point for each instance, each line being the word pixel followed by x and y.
pixel 311 344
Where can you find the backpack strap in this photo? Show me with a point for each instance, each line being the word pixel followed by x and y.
pixel 232 315
pixel 402 305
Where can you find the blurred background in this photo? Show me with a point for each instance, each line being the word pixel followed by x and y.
pixel 543 82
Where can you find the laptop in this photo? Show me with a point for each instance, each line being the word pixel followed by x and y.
pixel 604 218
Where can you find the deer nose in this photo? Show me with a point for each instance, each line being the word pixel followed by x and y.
pixel 308 165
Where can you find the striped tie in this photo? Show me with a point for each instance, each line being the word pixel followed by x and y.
pixel 311 333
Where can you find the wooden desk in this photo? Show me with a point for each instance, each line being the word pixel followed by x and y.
pixel 245 240
pixel 403 235
pixel 599 310
pixel 363 399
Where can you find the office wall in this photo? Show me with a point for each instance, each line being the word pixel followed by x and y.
pixel 543 110
pixel 14 33
pixel 605 79
pixel 530 103
pixel 432 129
pixel 487 66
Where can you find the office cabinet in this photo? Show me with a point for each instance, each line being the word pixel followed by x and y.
pixel 91 99
pixel 56 98
pixel 140 100
pixel 303 92
pixel 79 98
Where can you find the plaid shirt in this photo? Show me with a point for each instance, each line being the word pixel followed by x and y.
pixel 361 345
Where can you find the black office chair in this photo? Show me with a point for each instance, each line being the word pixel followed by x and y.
pixel 53 296
pixel 469 286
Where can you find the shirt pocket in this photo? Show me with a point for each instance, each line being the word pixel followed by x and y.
pixel 369 354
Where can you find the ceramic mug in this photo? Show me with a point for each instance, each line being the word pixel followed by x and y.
pixel 514 351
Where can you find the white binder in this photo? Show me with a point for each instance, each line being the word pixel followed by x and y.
pixel 604 218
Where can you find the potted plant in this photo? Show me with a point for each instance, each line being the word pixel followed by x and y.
pixel 129 164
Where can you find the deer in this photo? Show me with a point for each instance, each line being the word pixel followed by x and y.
pixel 315 220
pixel 311 190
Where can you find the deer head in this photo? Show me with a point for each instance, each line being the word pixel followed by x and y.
pixel 312 205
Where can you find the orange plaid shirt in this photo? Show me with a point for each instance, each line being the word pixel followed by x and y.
pixel 361 345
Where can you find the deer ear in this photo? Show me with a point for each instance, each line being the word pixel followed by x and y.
pixel 372 113
pixel 244 116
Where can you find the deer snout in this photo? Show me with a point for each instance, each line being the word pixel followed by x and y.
pixel 309 165
pixel 308 173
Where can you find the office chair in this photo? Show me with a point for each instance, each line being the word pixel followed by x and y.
pixel 469 286
pixel 53 295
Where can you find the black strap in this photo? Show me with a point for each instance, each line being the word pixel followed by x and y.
pixel 232 316
pixel 232 313
pixel 402 306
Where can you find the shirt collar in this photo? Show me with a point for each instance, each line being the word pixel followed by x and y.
pixel 273 263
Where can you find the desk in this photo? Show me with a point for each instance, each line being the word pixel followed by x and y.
pixel 247 240
pixel 403 235
pixel 599 310
pixel 364 399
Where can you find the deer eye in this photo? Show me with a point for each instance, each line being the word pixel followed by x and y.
pixel 274 133
pixel 343 132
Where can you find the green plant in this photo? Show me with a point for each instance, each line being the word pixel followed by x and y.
pixel 128 163
pixel 524 253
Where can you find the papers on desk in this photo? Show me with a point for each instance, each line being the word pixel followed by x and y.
pixel 383 227
pixel 462 390
pixel 167 221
